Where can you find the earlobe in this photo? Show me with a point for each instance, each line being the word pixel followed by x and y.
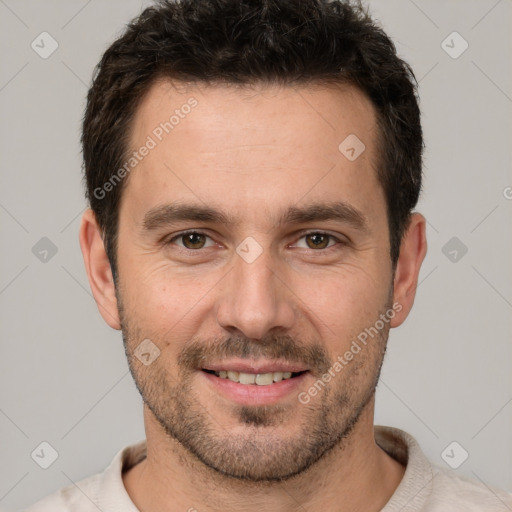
pixel 412 253
pixel 98 269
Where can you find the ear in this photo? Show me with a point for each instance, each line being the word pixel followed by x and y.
pixel 98 269
pixel 412 253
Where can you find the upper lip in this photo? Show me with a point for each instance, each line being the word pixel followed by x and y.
pixel 246 366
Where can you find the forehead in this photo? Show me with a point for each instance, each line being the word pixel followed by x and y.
pixel 253 145
pixel 330 111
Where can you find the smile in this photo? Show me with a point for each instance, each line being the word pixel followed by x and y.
pixel 258 379
pixel 255 383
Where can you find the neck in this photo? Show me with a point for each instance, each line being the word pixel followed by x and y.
pixel 356 475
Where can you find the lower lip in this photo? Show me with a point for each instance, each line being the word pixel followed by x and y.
pixel 253 394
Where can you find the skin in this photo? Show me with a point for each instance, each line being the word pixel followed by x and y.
pixel 252 153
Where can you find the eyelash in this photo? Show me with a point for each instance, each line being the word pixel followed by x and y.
pixel 197 232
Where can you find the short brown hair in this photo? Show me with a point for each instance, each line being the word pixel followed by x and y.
pixel 247 41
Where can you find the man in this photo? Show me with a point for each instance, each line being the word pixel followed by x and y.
pixel 252 170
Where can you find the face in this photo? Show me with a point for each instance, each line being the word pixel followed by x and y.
pixel 253 253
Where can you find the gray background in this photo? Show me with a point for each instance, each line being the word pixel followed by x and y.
pixel 63 375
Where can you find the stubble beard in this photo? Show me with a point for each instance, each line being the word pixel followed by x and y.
pixel 260 453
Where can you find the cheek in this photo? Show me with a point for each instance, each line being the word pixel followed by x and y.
pixel 165 304
pixel 341 304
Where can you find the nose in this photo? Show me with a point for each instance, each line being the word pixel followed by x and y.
pixel 255 298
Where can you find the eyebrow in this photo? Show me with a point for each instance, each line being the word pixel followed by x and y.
pixel 169 214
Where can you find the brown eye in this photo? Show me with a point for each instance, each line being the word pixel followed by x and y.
pixel 193 240
pixel 190 243
pixel 317 240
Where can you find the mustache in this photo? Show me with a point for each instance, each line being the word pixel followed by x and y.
pixel 198 354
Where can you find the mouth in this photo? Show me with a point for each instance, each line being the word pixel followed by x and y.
pixel 257 379
pixel 252 383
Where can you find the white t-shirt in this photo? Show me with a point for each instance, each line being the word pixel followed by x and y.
pixel 425 487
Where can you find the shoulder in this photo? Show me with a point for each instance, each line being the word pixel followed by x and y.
pixel 102 491
pixel 79 497
pixel 428 487
pixel 452 489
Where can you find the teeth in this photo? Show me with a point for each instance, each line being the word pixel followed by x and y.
pixel 264 379
pixel 247 378
pixel 260 379
pixel 233 376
